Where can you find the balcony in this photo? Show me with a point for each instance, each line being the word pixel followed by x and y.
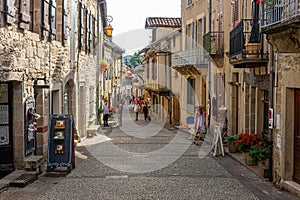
pixel 190 61
pixel 214 45
pixel 280 20
pixel 280 11
pixel 246 47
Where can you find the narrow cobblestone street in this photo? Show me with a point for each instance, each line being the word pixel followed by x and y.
pixel 147 160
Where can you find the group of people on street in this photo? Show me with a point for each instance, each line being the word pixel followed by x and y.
pixel 139 106
pixel 144 108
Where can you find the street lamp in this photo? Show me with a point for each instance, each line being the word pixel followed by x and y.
pixel 109 28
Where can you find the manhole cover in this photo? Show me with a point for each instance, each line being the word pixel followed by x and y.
pixel 24 180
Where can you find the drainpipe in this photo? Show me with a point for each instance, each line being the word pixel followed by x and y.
pixel 209 65
pixel 170 85
pixel 270 131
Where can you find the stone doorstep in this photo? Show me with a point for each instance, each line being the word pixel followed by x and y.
pixel 291 186
pixel 93 130
pixel 34 163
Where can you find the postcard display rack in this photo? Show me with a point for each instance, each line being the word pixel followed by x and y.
pixel 60 142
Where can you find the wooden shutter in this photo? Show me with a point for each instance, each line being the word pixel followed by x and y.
pixel 10 9
pixel 94 33
pixel 81 27
pixel 65 22
pixel 235 13
pixel 25 14
pixel 3 13
pixel 87 30
pixel 52 19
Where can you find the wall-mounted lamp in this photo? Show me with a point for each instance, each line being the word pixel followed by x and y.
pixel 109 29
pixel 36 85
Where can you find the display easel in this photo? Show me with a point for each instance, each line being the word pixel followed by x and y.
pixel 61 142
pixel 217 142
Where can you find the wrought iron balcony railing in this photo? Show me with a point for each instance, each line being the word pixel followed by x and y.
pixel 246 31
pixel 195 57
pixel 214 43
pixel 275 11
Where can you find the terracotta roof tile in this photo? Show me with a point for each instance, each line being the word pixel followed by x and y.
pixel 163 22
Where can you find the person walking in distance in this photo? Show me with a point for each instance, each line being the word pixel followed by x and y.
pixel 145 110
pixel 136 109
pixel 105 114
pixel 120 109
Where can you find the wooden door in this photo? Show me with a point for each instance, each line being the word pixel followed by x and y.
pixel 296 175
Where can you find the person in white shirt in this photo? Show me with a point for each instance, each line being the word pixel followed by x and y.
pixel 105 114
pixel 136 109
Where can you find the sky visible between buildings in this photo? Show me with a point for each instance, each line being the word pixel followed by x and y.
pixel 129 20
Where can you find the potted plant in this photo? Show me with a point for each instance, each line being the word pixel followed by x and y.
pixel 245 144
pixel 231 140
pixel 260 154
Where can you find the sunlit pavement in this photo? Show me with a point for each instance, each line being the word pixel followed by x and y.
pixel 144 160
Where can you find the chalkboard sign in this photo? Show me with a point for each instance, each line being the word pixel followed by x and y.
pixel 60 142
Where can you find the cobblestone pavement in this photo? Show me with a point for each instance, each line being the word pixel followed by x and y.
pixel 146 160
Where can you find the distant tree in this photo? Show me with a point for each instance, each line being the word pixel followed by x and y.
pixel 135 60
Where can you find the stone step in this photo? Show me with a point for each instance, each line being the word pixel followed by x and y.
pixel 34 163
pixel 93 130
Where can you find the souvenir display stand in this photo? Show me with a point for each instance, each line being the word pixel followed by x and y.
pixel 60 142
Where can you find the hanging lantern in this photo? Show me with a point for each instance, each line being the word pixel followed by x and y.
pixel 109 30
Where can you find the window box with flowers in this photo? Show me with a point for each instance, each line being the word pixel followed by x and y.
pixel 245 145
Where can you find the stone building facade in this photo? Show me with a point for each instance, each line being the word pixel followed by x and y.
pixel 282 30
pixel 49 55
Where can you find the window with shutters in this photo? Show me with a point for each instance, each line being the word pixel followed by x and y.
pixel 25 15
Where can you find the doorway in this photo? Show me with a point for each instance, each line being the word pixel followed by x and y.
pixel 296 174
pixel 6 136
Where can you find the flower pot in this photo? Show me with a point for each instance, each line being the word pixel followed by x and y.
pixel 252 50
pixel 231 147
pixel 247 159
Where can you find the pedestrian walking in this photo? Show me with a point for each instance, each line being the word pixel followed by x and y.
pixel 105 114
pixel 136 109
pixel 145 110
pixel 120 110
pixel 199 124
